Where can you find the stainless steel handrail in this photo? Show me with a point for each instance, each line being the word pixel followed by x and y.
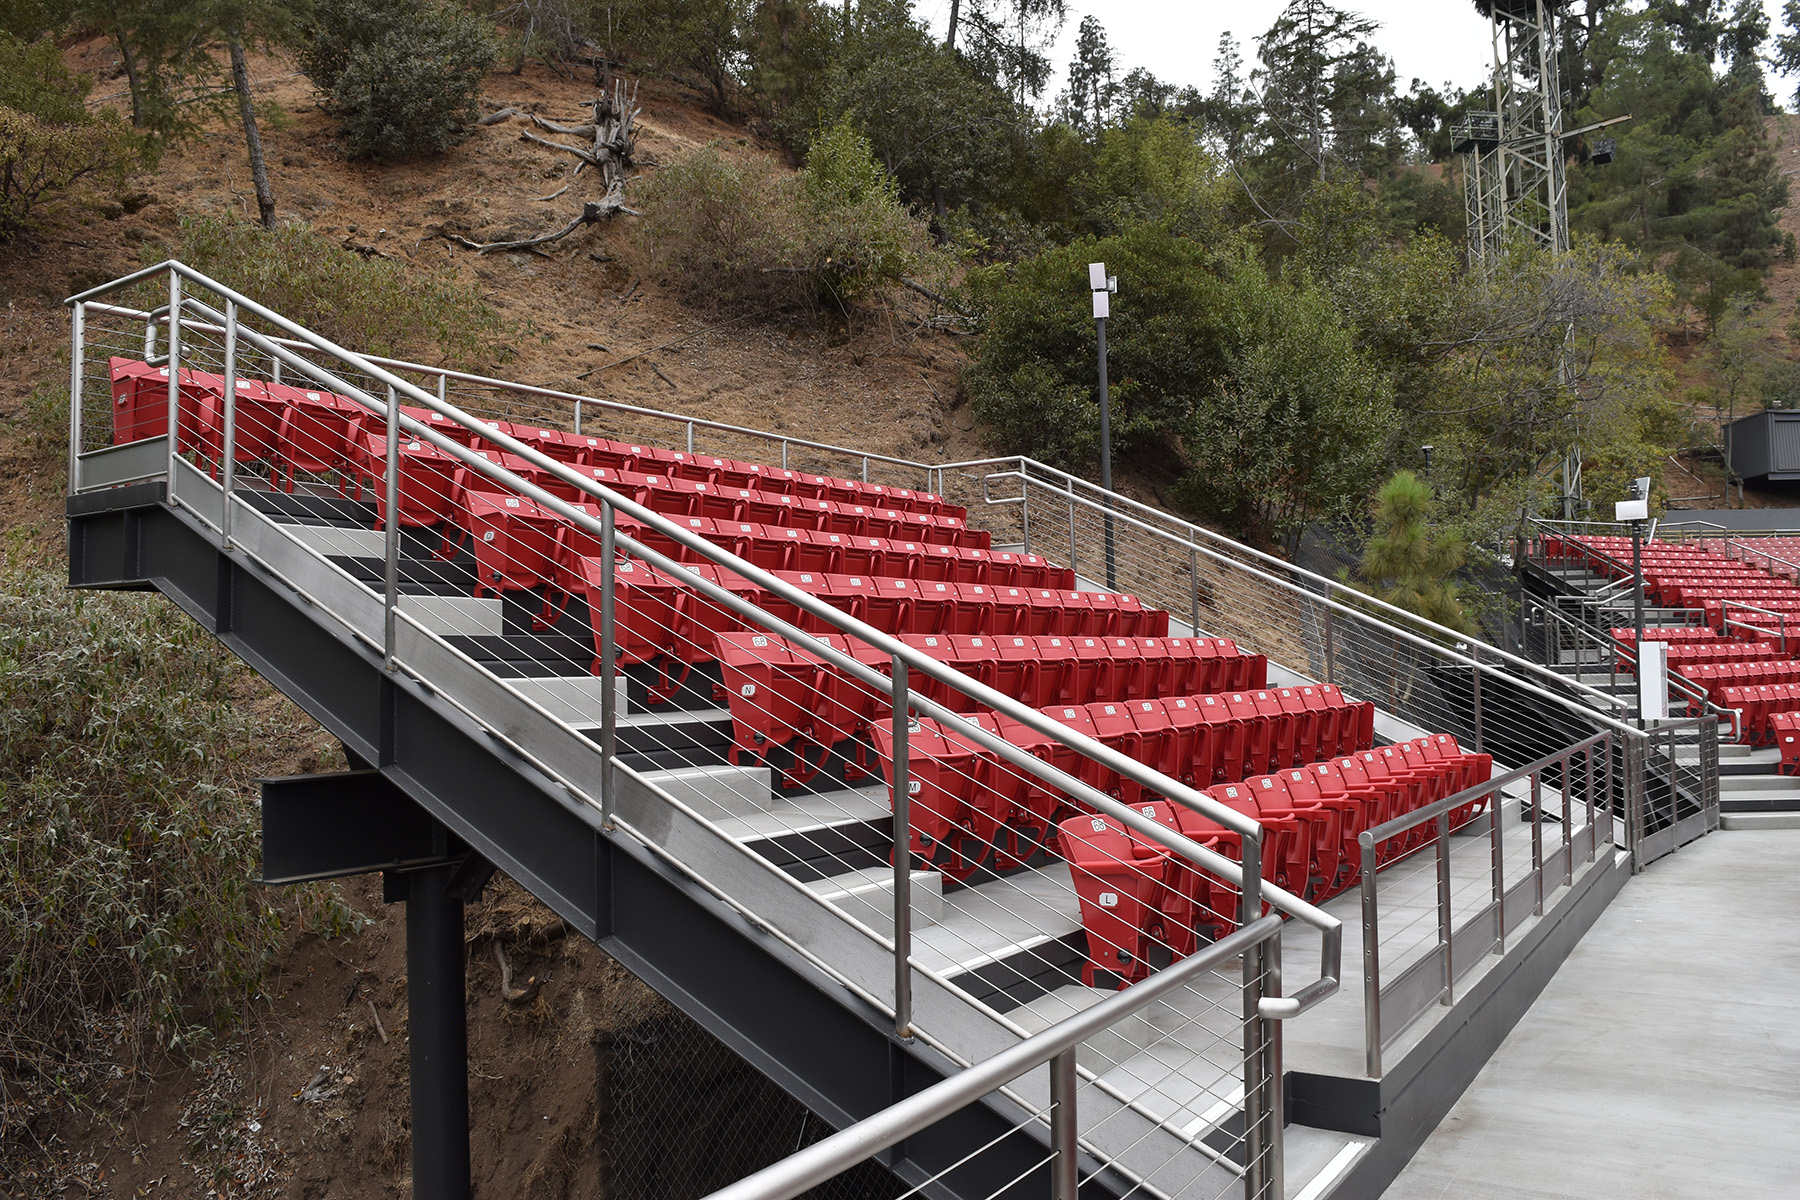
pixel 1376 1035
pixel 1246 875
pixel 1358 609
pixel 505 385
pixel 821 1161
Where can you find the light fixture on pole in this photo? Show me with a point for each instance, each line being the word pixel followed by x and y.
pixel 1426 451
pixel 1102 286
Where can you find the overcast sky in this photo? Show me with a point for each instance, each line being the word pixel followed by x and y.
pixel 1439 41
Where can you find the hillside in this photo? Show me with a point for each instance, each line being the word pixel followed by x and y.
pixel 310 1099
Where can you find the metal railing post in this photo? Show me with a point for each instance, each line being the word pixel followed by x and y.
pixel 1025 512
pixel 902 728
pixel 1446 927
pixel 1065 1166
pixel 609 691
pixel 228 465
pixel 865 469
pixel 1072 565
pixel 577 418
pixel 77 348
pixel 391 564
pixel 149 336
pixel 1261 1124
pixel 1371 936
pixel 1193 592
pixel 1537 844
pixel 690 437
pixel 274 367
pixel 174 380
pixel 1330 623
pixel 1475 688
pixel 1497 868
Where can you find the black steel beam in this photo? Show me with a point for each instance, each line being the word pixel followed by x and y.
pixel 809 1034
pixel 344 823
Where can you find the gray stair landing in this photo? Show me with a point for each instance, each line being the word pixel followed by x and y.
pixel 1590 1095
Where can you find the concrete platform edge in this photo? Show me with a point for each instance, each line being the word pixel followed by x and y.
pixel 1420 1090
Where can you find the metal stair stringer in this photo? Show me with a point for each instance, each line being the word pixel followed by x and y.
pixel 811 1035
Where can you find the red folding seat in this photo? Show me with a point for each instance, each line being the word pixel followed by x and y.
pixel 1105 619
pixel 1157 674
pixel 1360 803
pixel 256 418
pixel 1184 672
pixel 1162 745
pixel 904 559
pixel 1115 727
pixel 558 444
pixel 974 655
pixel 427 480
pixel 938 561
pixel 912 501
pixel 1308 745
pixel 779 480
pixel 1002 569
pixel 1323 822
pixel 973 610
pixel 1087 669
pixel 968 565
pixel 865 556
pixel 615 456
pixel 644 603
pixel 1364 777
pixel 1018 669
pixel 314 436
pixel 752 543
pixel 1287 843
pixel 770 688
pixel 933 607
pixel 844 517
pixel 943 768
pixel 1071 761
pixel 513 540
pixel 1120 880
pixel 1034 807
pixel 1786 729
pixel 845 707
pixel 888 606
pixel 1134 619
pixel 1355 719
pixel 777 508
pixel 1283 729
pixel 720 503
pixel 820 552
pixel 1012 609
pixel 140 400
pixel 1232 735
pixel 1191 748
pixel 673 464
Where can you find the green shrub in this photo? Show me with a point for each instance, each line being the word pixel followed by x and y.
pixel 1249 390
pixel 402 77
pixel 49 142
pixel 370 305
pixel 129 838
pixel 724 231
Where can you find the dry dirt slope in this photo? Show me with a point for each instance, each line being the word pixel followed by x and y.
pixel 239 1125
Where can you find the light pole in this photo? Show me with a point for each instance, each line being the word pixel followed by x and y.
pixel 1636 511
pixel 1102 286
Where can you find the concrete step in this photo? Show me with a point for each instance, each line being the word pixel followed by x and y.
pixel 1758 787
pixel 1759 820
pixel 718 791
pixel 868 896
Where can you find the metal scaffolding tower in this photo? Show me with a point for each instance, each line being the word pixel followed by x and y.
pixel 1514 182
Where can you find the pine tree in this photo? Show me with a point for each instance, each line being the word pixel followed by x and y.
pixel 1409 564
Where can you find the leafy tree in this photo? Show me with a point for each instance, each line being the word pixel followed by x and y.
pixel 49 142
pixel 704 37
pixel 1231 107
pixel 1408 563
pixel 402 76
pixel 1093 91
pixel 1325 94
pixel 1006 40
pixel 1246 388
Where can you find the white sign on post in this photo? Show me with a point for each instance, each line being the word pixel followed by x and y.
pixel 1653 681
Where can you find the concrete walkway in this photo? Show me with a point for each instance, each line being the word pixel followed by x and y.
pixel 1663 1060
